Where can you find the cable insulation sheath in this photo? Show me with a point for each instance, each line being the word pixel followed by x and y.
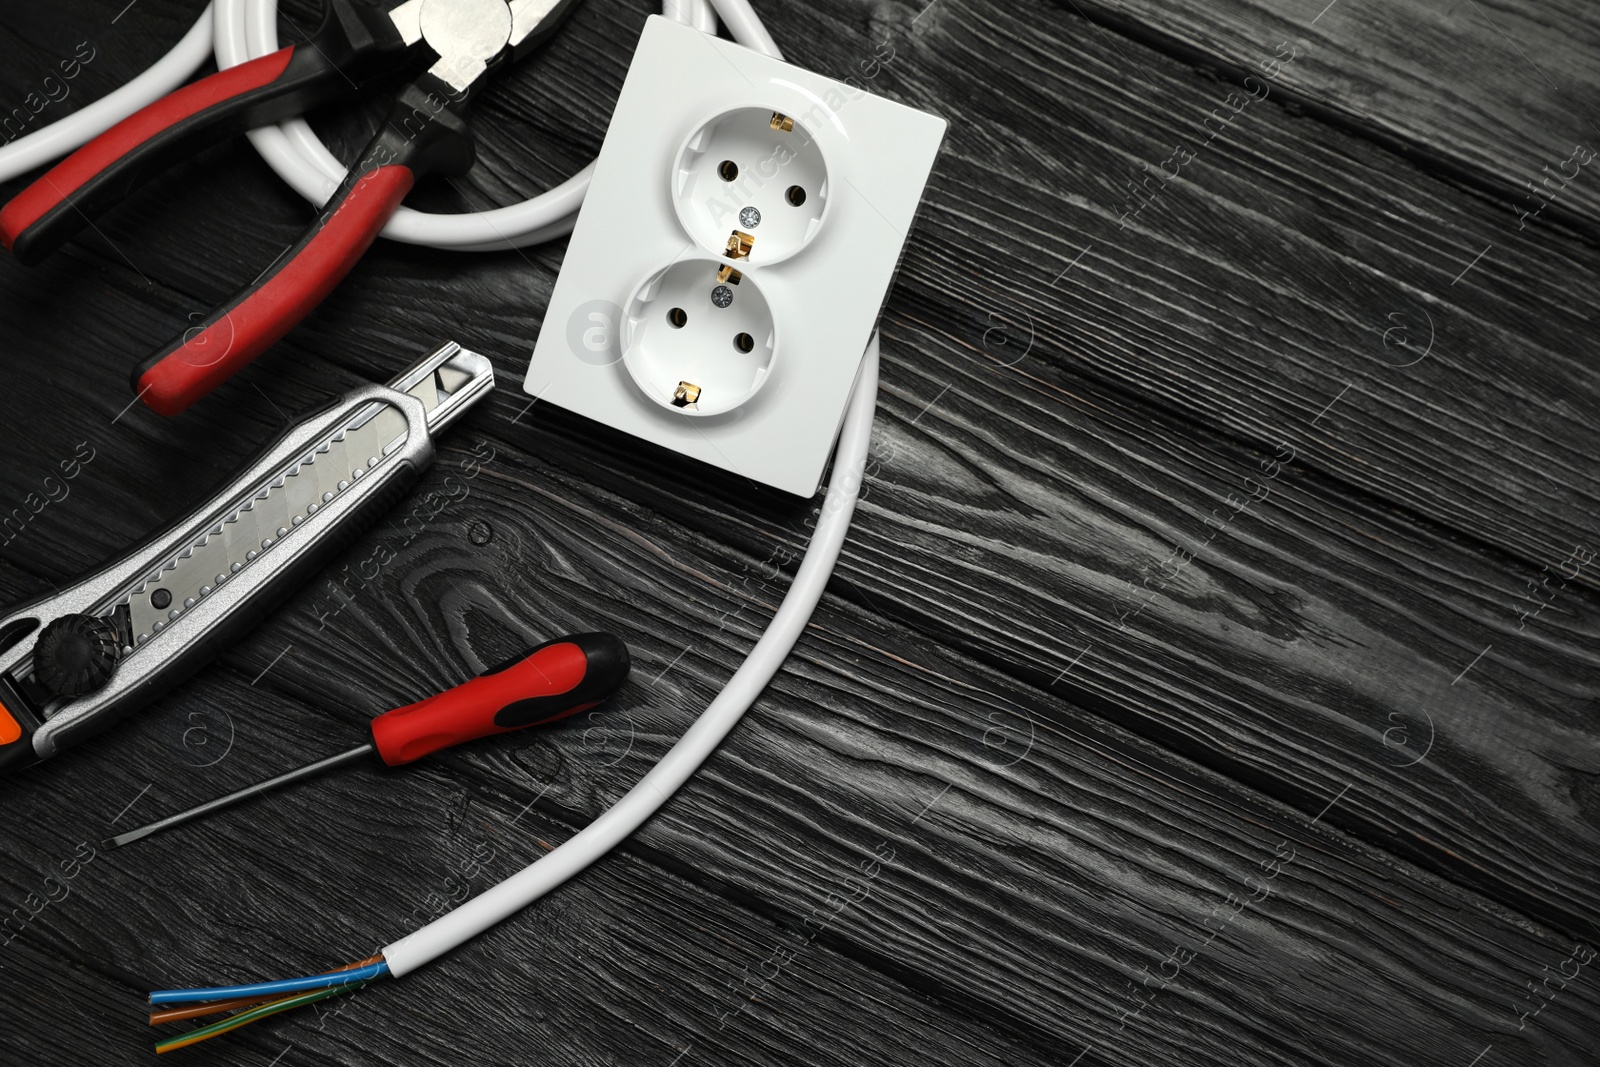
pixel 246 29
pixel 684 758
pixel 88 122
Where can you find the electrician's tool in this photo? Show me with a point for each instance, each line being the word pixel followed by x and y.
pixel 556 679
pixel 425 133
pixel 74 662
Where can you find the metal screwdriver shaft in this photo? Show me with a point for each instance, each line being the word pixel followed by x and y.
pixel 298 774
pixel 546 683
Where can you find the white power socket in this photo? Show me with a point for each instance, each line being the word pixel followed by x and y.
pixel 732 255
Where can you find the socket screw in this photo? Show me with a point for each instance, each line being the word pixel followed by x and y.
pixel 722 296
pixel 750 217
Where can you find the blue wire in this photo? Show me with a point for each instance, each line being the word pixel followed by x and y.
pixel 286 985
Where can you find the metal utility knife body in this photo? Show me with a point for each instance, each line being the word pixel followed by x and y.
pixel 76 661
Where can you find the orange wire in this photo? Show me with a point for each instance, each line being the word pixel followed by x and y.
pixel 173 1015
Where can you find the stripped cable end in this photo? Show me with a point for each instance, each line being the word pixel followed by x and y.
pixel 258 1001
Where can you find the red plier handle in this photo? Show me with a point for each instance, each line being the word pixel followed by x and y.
pixel 352 46
pixel 424 134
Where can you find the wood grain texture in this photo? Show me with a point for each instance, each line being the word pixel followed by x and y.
pixel 1259 638
pixel 1493 94
pixel 1275 648
pixel 1278 272
pixel 896 844
pixel 1071 783
pixel 1323 305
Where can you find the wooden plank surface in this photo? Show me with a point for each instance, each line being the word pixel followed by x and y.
pixel 1495 95
pixel 1024 755
pixel 1020 865
pixel 1163 488
pixel 1357 264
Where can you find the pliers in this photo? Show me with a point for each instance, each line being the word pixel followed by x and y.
pixel 424 134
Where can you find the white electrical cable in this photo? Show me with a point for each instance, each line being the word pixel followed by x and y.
pixel 741 20
pixel 244 29
pixel 248 29
pixel 240 30
pixel 685 757
pixel 90 121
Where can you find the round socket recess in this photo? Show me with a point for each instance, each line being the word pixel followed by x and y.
pixel 696 340
pixel 751 185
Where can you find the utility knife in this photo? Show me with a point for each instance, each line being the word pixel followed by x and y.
pixel 76 661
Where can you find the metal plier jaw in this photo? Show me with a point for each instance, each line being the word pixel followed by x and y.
pixel 469 38
pixel 76 661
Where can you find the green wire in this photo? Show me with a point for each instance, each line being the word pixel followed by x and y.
pixel 233 1022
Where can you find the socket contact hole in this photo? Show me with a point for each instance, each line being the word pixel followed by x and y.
pixel 706 357
pixel 677 317
pixel 715 187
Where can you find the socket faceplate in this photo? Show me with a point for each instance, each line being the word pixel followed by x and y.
pixel 824 298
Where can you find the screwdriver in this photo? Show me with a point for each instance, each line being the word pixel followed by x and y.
pixel 550 682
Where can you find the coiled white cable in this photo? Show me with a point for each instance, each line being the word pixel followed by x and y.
pixel 247 29
pixel 714 724
pixel 244 29
pixel 240 30
pixel 684 758
pixel 614 825
pixel 88 122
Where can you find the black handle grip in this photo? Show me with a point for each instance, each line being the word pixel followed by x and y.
pixel 549 682
pixel 423 135
pixel 353 45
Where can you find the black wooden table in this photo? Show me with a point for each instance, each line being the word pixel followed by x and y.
pixel 1210 676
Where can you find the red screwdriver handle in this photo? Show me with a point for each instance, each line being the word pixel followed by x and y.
pixel 557 679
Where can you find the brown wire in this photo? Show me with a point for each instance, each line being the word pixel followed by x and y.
pixel 173 1015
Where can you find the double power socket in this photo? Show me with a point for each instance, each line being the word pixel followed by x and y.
pixel 732 256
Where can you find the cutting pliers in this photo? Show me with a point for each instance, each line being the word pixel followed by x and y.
pixel 425 133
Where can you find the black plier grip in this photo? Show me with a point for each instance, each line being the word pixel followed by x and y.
pixel 351 47
pixel 425 134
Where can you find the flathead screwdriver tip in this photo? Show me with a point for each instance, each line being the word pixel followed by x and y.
pixel 130 836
